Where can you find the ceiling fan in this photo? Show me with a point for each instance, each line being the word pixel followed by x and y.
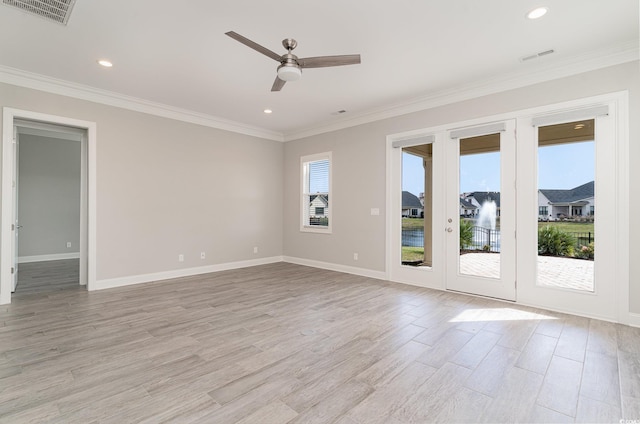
pixel 290 68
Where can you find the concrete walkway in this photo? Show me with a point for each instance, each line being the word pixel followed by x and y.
pixel 559 272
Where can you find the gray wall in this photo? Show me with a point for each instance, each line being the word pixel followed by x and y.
pixel 359 167
pixel 166 187
pixel 49 195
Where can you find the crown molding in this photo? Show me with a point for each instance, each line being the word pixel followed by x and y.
pixel 611 56
pixel 78 91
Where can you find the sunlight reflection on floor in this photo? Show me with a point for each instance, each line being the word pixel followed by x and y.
pixel 498 314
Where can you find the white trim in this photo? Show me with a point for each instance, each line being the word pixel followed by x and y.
pixel 87 233
pixel 52 257
pixel 111 283
pixel 363 272
pixel 623 218
pixel 633 320
pixel 609 56
pixel 598 59
pixel 40 82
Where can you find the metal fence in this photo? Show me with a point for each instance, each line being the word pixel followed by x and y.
pixel 583 239
pixel 483 238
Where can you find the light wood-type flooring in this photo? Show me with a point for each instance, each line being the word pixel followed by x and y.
pixel 283 343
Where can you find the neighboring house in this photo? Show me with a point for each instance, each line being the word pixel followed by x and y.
pixel 411 206
pixel 578 201
pixel 318 206
pixel 467 208
pixel 477 198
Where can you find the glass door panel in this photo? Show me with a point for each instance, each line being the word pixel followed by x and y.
pixel 417 202
pixel 479 188
pixel 566 206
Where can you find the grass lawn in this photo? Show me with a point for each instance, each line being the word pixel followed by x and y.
pixel 571 227
pixel 411 223
pixel 410 254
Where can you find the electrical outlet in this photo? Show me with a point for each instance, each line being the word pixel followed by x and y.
pixel 255 249
pixel 68 244
pixel 355 256
pixel 181 258
pixel 202 255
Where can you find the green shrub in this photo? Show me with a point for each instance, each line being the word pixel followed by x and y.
pixel 466 233
pixel 555 242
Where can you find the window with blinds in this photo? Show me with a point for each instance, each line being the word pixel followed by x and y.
pixel 316 189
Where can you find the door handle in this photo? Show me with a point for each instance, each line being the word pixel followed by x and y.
pixel 449 230
pixel 18 226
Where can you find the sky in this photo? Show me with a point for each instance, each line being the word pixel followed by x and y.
pixel 561 166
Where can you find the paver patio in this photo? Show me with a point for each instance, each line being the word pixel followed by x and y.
pixel 553 271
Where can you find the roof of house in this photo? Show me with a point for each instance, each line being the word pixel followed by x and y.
pixel 323 197
pixel 467 205
pixel 582 192
pixel 486 196
pixel 410 200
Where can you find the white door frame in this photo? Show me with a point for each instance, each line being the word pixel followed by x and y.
pixel 88 188
pixel 618 103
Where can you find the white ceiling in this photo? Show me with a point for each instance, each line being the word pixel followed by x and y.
pixel 176 54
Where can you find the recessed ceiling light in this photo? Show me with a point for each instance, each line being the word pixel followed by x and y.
pixel 105 63
pixel 538 12
pixel 268 111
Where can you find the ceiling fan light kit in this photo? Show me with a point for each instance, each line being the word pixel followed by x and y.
pixel 290 68
pixel 289 73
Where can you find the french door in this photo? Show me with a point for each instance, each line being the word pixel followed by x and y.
pixel 530 208
pixel 481 210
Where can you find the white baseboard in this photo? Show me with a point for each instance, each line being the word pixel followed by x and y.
pixel 53 257
pixel 177 273
pixel 633 320
pixel 380 275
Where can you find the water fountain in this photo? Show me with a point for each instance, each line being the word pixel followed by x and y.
pixel 487 215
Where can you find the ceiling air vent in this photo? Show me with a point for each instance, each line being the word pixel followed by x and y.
pixel 536 55
pixel 51 10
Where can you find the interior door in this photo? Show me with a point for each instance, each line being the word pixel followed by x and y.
pixel 480 203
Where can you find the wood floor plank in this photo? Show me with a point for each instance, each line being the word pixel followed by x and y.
pixel 601 379
pixel 537 354
pixel 288 343
pixel 514 400
pixel 378 407
pixel 561 386
pixel 489 375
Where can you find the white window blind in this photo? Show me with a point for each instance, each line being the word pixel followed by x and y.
pixel 414 141
pixel 570 116
pixel 478 131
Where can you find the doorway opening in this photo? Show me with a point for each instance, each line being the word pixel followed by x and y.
pixel 69 239
pixel 48 206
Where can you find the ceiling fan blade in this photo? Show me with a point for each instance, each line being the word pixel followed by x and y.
pixel 326 61
pixel 278 84
pixel 255 46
